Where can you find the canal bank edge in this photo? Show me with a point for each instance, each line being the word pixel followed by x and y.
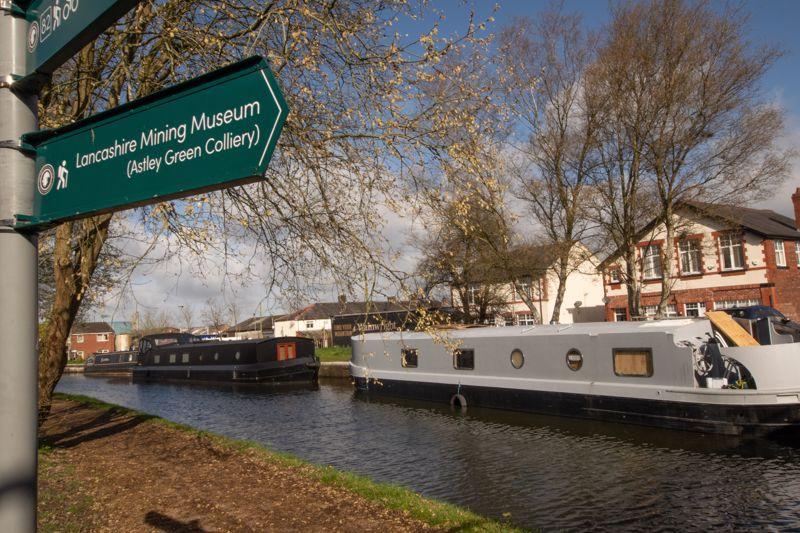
pixel 431 512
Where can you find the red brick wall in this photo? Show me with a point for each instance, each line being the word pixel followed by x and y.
pixel 90 344
pixel 786 281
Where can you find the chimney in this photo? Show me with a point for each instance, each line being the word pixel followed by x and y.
pixel 796 202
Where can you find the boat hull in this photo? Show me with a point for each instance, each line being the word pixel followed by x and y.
pixel 296 370
pixel 727 419
pixel 109 369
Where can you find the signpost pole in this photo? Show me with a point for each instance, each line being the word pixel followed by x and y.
pixel 18 288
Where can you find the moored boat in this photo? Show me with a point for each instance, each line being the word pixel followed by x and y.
pixel 672 373
pixel 182 357
pixel 112 363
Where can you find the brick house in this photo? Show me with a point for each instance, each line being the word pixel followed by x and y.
pixel 724 256
pixel 87 338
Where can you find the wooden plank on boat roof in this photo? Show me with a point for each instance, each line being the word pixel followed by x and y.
pixel 731 329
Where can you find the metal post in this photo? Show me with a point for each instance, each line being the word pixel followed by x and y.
pixel 18 286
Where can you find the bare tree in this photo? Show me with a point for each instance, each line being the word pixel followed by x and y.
pixel 187 316
pixel 543 76
pixel 214 313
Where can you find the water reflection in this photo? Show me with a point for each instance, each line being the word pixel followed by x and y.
pixel 548 472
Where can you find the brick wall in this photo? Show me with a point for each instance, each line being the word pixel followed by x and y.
pixel 90 344
pixel 786 280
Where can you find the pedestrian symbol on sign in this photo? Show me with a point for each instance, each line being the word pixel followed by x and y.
pixel 63 174
pixel 47 176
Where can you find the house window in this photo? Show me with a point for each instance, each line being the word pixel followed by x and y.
pixel 797 252
pixel 408 358
pixel 730 304
pixel 526 320
pixel 672 311
pixel 696 309
pixel 309 325
pixel 730 249
pixel 103 351
pixel 620 314
pixel 614 276
pixel 78 339
pixel 780 253
pixel 652 261
pixel 102 337
pixel 508 320
pixel 464 359
pixel 649 311
pixel 690 257
pixel 473 294
pixel 633 362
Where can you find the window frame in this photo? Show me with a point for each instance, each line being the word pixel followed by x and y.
pixel 655 258
pixel 698 304
pixel 649 362
pixel 695 251
pixel 79 339
pixel 782 263
pixel 102 337
pixel 460 352
pixel 511 358
pixel 623 311
pixel 404 362
pixel 614 276
pixel 732 245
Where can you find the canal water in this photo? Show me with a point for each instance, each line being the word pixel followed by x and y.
pixel 539 472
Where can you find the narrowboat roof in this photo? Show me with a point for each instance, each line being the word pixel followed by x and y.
pixel 681 328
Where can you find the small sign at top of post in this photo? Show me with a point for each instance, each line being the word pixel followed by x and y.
pixel 58 29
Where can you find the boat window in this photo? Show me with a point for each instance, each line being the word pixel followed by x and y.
pixel 408 357
pixel 216 356
pixel 200 357
pixel 574 359
pixel 464 359
pixel 185 358
pixel 172 357
pixel 238 355
pixel 635 362
pixel 517 358
pixel 156 359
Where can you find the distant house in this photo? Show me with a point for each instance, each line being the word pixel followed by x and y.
pixel 257 327
pixel 330 323
pixel 87 338
pixel 724 256
pixel 583 296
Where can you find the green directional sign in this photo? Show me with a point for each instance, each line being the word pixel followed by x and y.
pixel 215 131
pixel 58 29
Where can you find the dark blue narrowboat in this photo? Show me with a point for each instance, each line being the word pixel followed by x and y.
pixel 184 357
pixel 116 363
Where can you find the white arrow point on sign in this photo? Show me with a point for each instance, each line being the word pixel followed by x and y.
pixel 277 118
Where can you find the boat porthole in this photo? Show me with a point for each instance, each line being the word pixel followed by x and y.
pixel 216 357
pixel 238 355
pixel 517 359
pixel 574 359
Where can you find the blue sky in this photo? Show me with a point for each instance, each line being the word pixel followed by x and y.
pixel 770 22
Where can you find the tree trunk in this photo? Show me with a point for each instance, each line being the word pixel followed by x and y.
pixel 666 267
pixel 74 262
pixel 526 298
pixel 562 273
pixel 632 283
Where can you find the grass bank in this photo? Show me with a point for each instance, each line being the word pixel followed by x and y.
pixel 434 514
pixel 334 353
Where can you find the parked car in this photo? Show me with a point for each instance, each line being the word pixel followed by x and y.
pixel 781 324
